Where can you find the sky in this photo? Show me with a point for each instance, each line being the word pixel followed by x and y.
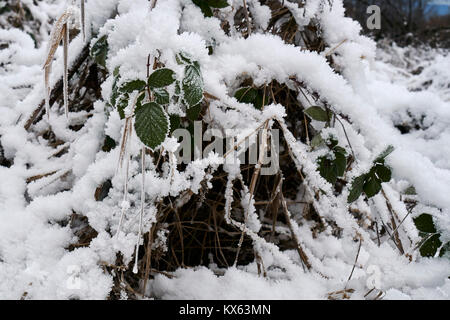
pixel 440 9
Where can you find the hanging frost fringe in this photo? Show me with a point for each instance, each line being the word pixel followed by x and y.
pixel 259 243
pixel 125 155
pixel 141 215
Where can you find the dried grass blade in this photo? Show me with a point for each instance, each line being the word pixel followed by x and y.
pixel 66 69
pixel 56 36
pixel 59 31
pixel 47 70
pixel 83 20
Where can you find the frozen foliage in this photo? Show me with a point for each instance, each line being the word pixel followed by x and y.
pixel 49 190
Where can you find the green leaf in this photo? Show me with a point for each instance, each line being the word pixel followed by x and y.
pixel 202 4
pixel 108 144
pixel 316 141
pixel 140 98
pixel 383 172
pixel 246 94
pixel 356 189
pixel 332 169
pixel 318 114
pixel 430 246
pixel 99 51
pixel 372 186
pixel 121 104
pixel 217 3
pixel 260 101
pixel 445 250
pixel 192 85
pixel 161 78
pixel 114 92
pixel 116 71
pixel 161 96
pixel 175 122
pixel 327 170
pixel 132 85
pixel 424 223
pixel 338 149
pixel 384 154
pixel 183 58
pixel 340 163
pixel 177 88
pixel 332 142
pixel 151 124
pixel 4 8
pixel 251 95
pixel 410 191
pixel 193 113
pixel 431 242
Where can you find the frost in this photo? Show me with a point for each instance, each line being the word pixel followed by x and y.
pixel 91 174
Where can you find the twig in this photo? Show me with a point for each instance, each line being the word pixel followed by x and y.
pixel 397 240
pixel 356 260
pixel 301 252
pixel 333 49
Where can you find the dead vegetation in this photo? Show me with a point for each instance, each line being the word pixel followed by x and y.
pixel 197 227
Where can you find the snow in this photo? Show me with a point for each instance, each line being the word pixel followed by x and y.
pixel 375 88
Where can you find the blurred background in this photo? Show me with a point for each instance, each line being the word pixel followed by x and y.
pixel 407 21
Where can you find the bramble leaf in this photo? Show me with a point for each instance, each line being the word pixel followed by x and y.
pixel 192 85
pixel 161 78
pixel 161 96
pixel 99 51
pixel 372 186
pixel 132 85
pixel 250 95
pixel 151 124
pixel 383 172
pixel 424 223
pixel 318 114
pixel 382 156
pixel 356 189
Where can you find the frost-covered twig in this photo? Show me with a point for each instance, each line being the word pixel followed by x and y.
pixel 303 257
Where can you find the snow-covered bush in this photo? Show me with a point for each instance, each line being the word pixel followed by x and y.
pixel 97 202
